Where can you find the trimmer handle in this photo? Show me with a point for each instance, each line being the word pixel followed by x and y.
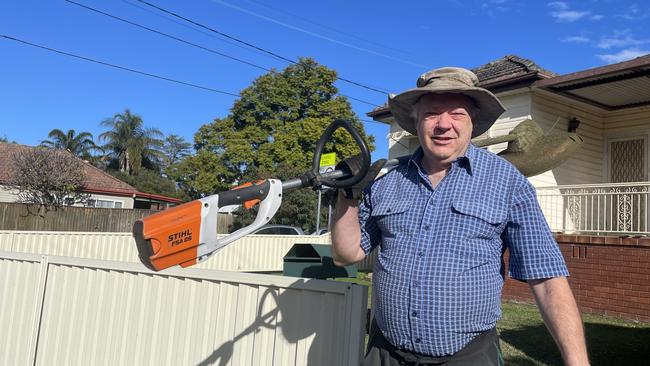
pixel 365 156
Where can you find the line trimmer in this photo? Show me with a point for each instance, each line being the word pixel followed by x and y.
pixel 186 234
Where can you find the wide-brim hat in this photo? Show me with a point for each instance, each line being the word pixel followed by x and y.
pixel 442 81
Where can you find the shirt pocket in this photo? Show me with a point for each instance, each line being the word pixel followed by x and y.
pixel 476 231
pixel 473 219
pixel 391 217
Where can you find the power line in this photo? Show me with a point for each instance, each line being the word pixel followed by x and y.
pixel 250 44
pixel 194 44
pixel 314 34
pixel 331 29
pixel 168 35
pixel 118 67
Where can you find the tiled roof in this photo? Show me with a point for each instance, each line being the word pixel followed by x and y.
pixel 509 67
pixel 96 179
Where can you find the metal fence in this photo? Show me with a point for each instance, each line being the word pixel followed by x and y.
pixel 614 209
pixel 252 253
pixel 72 311
pixel 19 216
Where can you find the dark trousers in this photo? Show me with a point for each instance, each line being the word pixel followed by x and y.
pixel 484 350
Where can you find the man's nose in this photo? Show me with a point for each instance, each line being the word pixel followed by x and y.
pixel 444 121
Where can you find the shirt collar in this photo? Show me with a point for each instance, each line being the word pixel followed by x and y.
pixel 467 161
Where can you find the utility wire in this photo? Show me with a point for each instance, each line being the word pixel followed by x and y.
pixel 183 24
pixel 314 34
pixel 168 35
pixel 194 44
pixel 250 44
pixel 331 29
pixel 118 67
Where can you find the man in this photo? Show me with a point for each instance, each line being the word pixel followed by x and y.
pixel 442 221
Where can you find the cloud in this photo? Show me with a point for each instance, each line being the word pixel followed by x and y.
pixel 563 14
pixel 559 5
pixel 620 39
pixel 623 55
pixel 634 13
pixel 575 39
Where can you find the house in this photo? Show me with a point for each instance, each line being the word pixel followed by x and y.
pixel 105 190
pixel 603 187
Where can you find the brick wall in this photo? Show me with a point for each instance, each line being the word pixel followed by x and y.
pixel 609 275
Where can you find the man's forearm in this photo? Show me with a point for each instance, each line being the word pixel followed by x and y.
pixel 561 316
pixel 346 233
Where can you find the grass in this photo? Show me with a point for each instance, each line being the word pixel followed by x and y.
pixel 525 341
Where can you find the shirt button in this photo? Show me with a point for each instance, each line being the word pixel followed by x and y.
pixel 427 227
pixel 421 253
pixel 414 314
pixel 418 340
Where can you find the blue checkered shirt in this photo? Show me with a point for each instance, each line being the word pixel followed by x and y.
pixel 439 271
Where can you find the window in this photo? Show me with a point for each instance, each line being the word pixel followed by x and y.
pixel 627 160
pixel 103 203
pixel 68 201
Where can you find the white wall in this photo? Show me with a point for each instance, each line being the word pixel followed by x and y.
pixel 71 311
pixel 127 202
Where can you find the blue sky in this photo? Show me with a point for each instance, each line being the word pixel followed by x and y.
pixel 381 44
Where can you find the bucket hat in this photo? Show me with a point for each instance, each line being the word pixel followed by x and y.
pixel 447 80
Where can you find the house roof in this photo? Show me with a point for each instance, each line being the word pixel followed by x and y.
pixel 612 87
pixel 506 73
pixel 97 181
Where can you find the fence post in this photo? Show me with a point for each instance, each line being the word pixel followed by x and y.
pixel 38 315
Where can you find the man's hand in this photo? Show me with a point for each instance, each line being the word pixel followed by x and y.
pixel 562 318
pixel 353 166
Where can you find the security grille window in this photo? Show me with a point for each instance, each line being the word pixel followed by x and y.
pixel 103 203
pixel 628 160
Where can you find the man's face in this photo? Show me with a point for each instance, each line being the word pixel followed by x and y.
pixel 444 126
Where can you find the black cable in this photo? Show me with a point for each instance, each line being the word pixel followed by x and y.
pixel 193 44
pixel 168 35
pixel 119 67
pixel 250 44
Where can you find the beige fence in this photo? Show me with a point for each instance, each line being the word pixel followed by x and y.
pixel 252 253
pixel 18 216
pixel 72 311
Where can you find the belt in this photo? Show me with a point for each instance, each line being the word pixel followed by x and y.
pixel 413 358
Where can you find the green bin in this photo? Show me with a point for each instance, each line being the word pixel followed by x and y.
pixel 314 261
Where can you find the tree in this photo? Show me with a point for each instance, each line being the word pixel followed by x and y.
pixel 131 146
pixel 80 145
pixel 175 149
pixel 271 132
pixel 150 181
pixel 47 177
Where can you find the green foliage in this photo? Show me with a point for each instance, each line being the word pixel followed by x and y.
pixel 80 145
pixel 175 149
pixel 149 181
pixel 129 144
pixel 271 132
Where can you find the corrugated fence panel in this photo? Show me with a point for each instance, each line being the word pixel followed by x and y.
pixel 111 313
pixel 258 253
pixel 19 291
pixel 253 253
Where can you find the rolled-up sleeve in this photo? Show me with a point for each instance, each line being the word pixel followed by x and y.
pixel 534 254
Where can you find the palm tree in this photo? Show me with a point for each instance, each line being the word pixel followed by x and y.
pixel 80 145
pixel 129 143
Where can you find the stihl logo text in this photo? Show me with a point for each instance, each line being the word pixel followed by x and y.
pixel 180 237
